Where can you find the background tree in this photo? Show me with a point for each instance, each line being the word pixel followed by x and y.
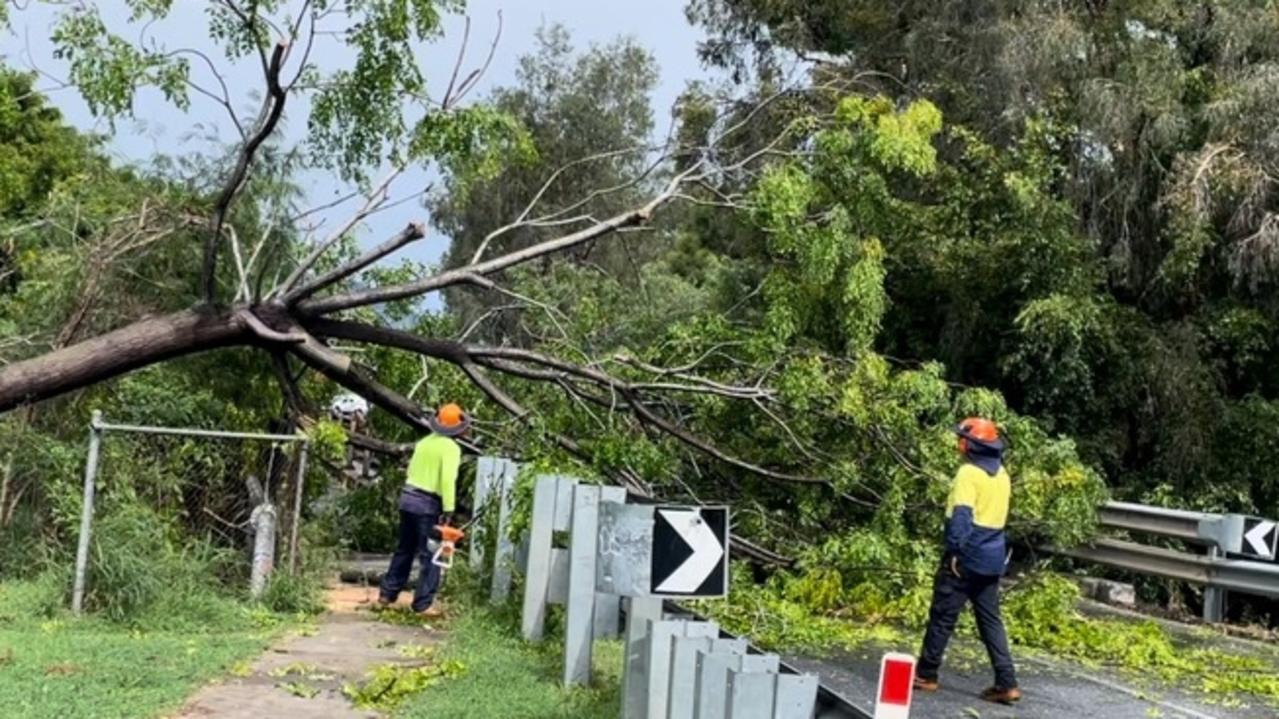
pixel 1136 311
pixel 589 120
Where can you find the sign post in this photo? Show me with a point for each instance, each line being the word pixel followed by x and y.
pixel 896 680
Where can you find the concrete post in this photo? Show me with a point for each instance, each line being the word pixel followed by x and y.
pixel 504 553
pixel 263 520
pixel 640 613
pixel 86 512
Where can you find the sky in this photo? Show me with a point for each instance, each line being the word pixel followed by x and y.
pixel 159 128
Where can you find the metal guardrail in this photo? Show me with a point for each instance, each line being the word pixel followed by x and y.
pixel 1177 523
pixel 1236 575
pixel 830 704
pixel 1217 532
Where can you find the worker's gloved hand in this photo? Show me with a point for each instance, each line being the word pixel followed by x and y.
pixel 446 519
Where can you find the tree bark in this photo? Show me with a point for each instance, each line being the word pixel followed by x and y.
pixel 139 344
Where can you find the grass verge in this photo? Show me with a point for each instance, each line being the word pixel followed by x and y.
pixel 52 665
pixel 501 676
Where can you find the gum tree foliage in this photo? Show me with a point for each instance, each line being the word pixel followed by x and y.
pixel 1139 132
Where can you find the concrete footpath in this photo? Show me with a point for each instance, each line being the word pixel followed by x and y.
pixel 302 676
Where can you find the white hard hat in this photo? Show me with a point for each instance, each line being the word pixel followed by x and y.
pixel 347 406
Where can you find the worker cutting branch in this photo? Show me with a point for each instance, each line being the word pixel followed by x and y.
pixel 974 560
pixel 426 501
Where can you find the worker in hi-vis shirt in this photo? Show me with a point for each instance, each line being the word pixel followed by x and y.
pixel 427 500
pixel 975 558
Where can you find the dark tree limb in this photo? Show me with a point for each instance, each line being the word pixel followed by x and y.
pixel 272 109
pixel 294 401
pixel 140 344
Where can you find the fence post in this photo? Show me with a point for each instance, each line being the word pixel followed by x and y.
pixel 263 521
pixel 86 512
pixel 299 482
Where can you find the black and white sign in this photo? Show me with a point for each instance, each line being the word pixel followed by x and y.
pixel 1260 538
pixel 690 552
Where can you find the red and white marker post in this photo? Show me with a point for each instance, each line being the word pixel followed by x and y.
pixel 896 679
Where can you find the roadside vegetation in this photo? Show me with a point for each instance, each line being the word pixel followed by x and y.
pixel 844 243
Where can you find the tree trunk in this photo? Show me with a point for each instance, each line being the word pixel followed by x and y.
pixel 140 344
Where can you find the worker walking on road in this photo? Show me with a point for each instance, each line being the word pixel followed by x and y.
pixel 975 558
pixel 426 501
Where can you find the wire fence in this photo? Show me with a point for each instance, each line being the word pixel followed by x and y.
pixel 218 487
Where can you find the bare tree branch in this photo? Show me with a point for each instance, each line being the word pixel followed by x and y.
pixel 373 200
pixel 537 197
pixel 461 275
pixel 414 231
pixel 273 108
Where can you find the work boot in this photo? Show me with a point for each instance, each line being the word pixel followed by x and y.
pixel 431 612
pixel 1002 696
pixel 926 685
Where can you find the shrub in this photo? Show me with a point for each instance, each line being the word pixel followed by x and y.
pixel 138 564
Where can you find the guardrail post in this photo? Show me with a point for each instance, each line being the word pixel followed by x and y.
pixel 750 694
pixel 608 607
pixel 537 576
pixel 504 553
pixel 579 615
pixel 1214 597
pixel 796 696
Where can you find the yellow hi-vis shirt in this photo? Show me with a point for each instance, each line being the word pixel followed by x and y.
pixel 976 513
pixel 433 468
pixel 987 495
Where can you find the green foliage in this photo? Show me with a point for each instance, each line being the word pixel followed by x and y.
pixel 293 594
pixel 108 70
pixel 390 684
pixel 1042 614
pixel 1092 243
pixel 328 441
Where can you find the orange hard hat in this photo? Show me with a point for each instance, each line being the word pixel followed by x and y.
pixel 981 431
pixel 450 420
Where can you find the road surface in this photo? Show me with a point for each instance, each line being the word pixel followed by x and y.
pixel 1053 688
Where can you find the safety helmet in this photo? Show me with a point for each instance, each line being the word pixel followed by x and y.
pixel 979 430
pixel 450 420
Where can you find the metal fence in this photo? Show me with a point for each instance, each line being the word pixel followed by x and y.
pixel 217 486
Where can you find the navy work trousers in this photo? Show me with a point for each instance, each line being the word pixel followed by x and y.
pixel 415 529
pixel 950 594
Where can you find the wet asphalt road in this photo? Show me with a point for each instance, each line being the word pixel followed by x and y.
pixel 1052 689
